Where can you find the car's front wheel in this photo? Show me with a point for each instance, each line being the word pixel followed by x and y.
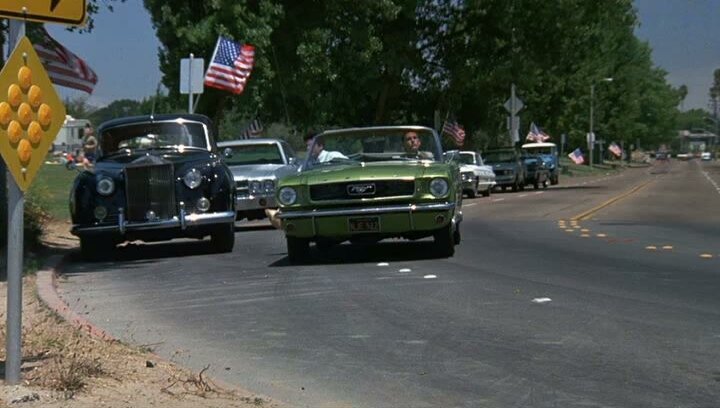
pixel 223 238
pixel 297 249
pixel 445 241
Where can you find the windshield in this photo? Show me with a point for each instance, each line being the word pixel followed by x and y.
pixel 157 135
pixel 252 154
pixel 499 156
pixel 467 158
pixel 540 150
pixel 356 146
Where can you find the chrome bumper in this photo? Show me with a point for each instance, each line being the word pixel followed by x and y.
pixel 182 221
pixel 410 208
pixel 246 203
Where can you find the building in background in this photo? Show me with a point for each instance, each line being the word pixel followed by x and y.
pixel 70 136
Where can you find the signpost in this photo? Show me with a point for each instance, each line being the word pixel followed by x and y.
pixel 72 12
pixel 513 105
pixel 192 74
pixel 31 114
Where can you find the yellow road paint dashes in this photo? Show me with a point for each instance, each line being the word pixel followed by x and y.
pixel 601 235
pixel 585 235
pixel 706 256
pixel 667 247
pixel 651 248
pixel 584 230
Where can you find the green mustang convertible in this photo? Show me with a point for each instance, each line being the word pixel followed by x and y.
pixel 367 184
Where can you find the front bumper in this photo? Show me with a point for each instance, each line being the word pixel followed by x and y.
pixel 393 220
pixel 182 221
pixel 251 202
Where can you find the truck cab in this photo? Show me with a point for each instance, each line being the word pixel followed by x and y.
pixel 549 153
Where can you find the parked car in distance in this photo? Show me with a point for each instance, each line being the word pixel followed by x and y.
pixel 549 153
pixel 507 166
pixel 705 156
pixel 536 172
pixel 155 178
pixel 476 176
pixel 370 188
pixel 257 165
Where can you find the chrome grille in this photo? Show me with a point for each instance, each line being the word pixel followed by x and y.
pixel 382 188
pixel 150 188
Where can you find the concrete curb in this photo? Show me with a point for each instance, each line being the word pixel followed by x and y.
pixel 47 292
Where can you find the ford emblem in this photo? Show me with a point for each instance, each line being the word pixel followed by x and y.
pixel 365 189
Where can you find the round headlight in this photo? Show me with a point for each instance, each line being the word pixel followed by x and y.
pixel 192 179
pixel 438 187
pixel 268 186
pixel 105 186
pixel 255 187
pixel 287 196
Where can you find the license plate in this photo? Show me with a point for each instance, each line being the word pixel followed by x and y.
pixel 365 224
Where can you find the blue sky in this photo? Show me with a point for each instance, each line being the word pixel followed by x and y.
pixel 684 35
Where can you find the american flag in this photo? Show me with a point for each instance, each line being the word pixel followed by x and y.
pixel 615 149
pixel 454 130
pixel 536 134
pixel 63 67
pixel 254 129
pixel 577 156
pixel 230 66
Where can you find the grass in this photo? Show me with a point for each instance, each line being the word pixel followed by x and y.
pixel 52 184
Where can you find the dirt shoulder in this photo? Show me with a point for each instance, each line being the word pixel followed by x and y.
pixel 66 364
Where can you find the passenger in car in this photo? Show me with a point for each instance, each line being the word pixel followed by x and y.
pixel 317 150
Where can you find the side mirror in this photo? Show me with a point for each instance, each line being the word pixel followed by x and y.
pixel 292 161
pixel 228 153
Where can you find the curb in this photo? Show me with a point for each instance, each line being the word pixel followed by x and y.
pixel 47 292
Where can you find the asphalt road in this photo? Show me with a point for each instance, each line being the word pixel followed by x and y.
pixel 597 293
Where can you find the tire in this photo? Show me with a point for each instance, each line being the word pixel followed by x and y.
pixel 297 249
pixel 555 180
pixel 473 191
pixel 95 248
pixel 536 185
pixel 503 188
pixel 223 238
pixel 544 183
pixel 515 186
pixel 445 241
pixel 486 193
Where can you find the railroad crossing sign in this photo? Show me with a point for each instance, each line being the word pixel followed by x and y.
pixel 31 114
pixel 72 12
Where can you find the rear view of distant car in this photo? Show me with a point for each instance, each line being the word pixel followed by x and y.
pixel 705 156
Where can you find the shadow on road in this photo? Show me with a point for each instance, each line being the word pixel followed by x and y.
pixel 390 251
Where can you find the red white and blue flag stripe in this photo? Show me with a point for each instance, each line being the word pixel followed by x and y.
pixel 230 66
pixel 63 67
pixel 577 156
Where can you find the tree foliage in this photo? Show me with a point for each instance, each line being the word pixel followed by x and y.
pixel 344 63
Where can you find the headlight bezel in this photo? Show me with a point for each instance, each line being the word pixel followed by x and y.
pixel 442 184
pixel 105 186
pixel 193 179
pixel 290 198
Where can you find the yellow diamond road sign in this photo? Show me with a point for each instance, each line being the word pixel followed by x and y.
pixel 31 114
pixel 71 12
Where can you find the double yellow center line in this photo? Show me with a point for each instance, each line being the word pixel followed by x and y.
pixel 589 213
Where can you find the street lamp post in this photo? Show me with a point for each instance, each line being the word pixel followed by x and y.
pixel 591 136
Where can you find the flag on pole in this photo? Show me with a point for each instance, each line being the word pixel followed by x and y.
pixel 615 149
pixel 63 67
pixel 455 131
pixel 230 66
pixel 536 134
pixel 254 129
pixel 577 156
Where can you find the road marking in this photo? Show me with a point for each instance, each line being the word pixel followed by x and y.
pixel 569 230
pixel 585 235
pixel 405 270
pixel 587 214
pixel 542 300
pixel 601 235
pixel 667 247
pixel 430 276
pixel 706 256
pixel 498 199
pixel 584 230
pixel 651 247
pixel 383 264
pixel 469 205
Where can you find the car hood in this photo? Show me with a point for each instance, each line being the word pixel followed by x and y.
pixel 256 171
pixel 180 161
pixel 369 171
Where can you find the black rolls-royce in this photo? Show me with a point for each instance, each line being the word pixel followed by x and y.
pixel 155 178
